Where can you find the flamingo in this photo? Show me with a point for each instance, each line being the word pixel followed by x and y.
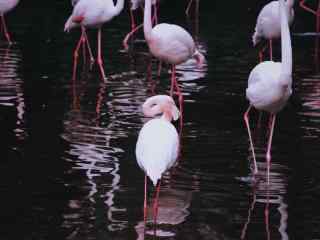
pixel 316 13
pixel 268 24
pixel 171 44
pixel 270 84
pixel 93 14
pixel 6 6
pixel 135 4
pixel 158 143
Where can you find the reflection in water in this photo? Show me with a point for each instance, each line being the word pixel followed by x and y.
pixel 268 197
pixel 173 210
pixel 11 89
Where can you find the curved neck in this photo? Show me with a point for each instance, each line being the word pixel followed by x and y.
pixel 147 21
pixel 118 7
pixel 286 49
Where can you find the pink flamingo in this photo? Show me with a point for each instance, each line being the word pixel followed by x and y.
pixel 171 44
pixel 268 24
pixel 92 14
pixel 270 84
pixel 316 13
pixel 6 6
pixel 158 144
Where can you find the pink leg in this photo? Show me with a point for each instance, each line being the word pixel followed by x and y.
pixel 270 49
pixel 155 204
pixel 133 22
pixel 188 7
pixel 88 45
pixel 6 33
pixel 159 68
pixel 76 55
pixel 145 201
pixel 179 93
pixel 155 13
pixel 246 119
pixel 126 39
pixel 302 4
pixel 261 53
pixel 272 119
pixel 99 60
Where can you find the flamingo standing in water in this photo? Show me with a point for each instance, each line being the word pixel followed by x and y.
pixel 158 143
pixel 171 44
pixel 268 24
pixel 93 14
pixel 6 6
pixel 270 84
pixel 316 13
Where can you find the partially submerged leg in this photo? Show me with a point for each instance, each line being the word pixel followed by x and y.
pixel 6 33
pixel 268 155
pixel 99 59
pixel 246 119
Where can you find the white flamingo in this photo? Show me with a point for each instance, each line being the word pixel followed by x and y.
pixel 269 84
pixel 93 14
pixel 171 44
pixel 6 6
pixel 158 143
pixel 268 24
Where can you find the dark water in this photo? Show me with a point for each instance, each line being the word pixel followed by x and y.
pixel 68 168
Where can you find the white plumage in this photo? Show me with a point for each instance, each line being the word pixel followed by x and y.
pixel 158 142
pixel 7 5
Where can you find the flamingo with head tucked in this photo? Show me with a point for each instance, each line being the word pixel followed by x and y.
pixel 6 6
pixel 270 84
pixel 171 44
pixel 93 14
pixel 268 24
pixel 158 143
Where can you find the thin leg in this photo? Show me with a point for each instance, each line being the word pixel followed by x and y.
pixel 188 7
pixel 246 119
pixel 179 93
pixel 126 39
pixel 145 201
pixel 261 53
pixel 302 4
pixel 155 9
pixel 99 60
pixel 133 22
pixel 159 68
pixel 270 49
pixel 272 119
pixel 88 45
pixel 6 33
pixel 156 204
pixel 76 55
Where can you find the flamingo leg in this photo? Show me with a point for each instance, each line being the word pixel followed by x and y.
pixel 246 119
pixel 261 53
pixel 155 12
pixel 159 68
pixel 179 93
pixel 88 45
pixel 270 49
pixel 133 22
pixel 302 4
pixel 188 7
pixel 272 121
pixel 76 55
pixel 6 33
pixel 99 59
pixel 145 210
pixel 156 203
pixel 126 39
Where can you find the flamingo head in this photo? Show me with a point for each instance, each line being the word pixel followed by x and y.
pixel 199 58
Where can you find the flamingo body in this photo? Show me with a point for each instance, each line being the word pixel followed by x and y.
pixel 171 43
pixel 157 148
pixel 266 91
pixel 268 22
pixel 7 5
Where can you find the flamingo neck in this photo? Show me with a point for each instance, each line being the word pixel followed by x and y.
pixel 286 48
pixel 147 21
